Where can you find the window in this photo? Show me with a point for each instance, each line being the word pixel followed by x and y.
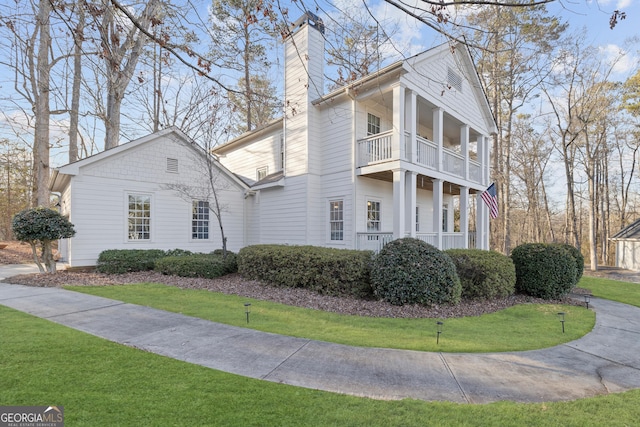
pixel 373 216
pixel 445 218
pixel 200 220
pixel 139 220
pixel 261 173
pixel 281 151
pixel 417 219
pixel 336 219
pixel 373 124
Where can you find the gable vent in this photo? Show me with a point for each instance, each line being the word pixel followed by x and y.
pixel 454 79
pixel 172 165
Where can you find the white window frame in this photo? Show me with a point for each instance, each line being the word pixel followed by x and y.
pixel 445 217
pixel 200 221
pixel 333 220
pixel 127 230
pixel 370 222
pixel 372 126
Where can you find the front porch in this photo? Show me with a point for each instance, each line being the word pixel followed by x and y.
pixel 408 204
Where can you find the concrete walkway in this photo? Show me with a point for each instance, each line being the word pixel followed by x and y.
pixel 606 360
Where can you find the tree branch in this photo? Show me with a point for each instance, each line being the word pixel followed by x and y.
pixel 173 49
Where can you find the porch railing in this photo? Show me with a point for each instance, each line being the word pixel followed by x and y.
pixel 373 241
pixel 449 240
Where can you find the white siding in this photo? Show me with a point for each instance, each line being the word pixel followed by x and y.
pixel 99 211
pixel 246 160
pixel 628 254
pixel 283 213
pixel 465 106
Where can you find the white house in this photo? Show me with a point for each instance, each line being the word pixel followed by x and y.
pixel 393 154
pixel 397 153
pixel 627 243
pixel 149 193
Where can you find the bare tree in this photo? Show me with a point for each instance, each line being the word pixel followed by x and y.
pixel 513 45
pixel 239 38
pixel 122 44
pixel 357 43
pixel 211 182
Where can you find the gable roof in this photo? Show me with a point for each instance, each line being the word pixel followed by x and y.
pixel 61 176
pixel 407 65
pixel 630 232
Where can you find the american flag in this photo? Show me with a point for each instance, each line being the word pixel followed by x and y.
pixel 490 197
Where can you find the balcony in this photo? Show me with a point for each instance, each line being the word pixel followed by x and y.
pixel 379 148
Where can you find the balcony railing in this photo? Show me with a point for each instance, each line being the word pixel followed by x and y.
pixel 379 148
pixel 375 148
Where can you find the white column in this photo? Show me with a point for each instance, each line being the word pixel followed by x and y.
pixel 399 203
pixel 485 158
pixel 464 150
pixel 437 211
pixel 438 134
pixel 412 125
pixel 398 150
pixel 482 225
pixel 464 215
pixel 411 197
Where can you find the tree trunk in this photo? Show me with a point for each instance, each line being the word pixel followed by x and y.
pixel 77 81
pixel 41 132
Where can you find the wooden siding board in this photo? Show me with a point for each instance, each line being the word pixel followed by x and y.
pixel 100 219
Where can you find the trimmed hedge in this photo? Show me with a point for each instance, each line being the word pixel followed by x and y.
pixel 208 266
pixel 544 270
pixel 325 270
pixel 410 271
pixel 119 261
pixel 484 274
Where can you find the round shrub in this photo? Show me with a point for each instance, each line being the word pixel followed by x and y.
pixel 543 270
pixel 577 256
pixel 484 274
pixel 410 271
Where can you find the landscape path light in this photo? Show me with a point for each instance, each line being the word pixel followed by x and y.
pixel 247 309
pixel 561 316
pixel 439 326
pixel 587 299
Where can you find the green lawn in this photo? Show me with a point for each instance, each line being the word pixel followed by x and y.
pixel 614 290
pixel 523 327
pixel 100 383
pixel 107 384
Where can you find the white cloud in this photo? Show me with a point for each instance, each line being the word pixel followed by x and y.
pixel 622 61
pixel 623 4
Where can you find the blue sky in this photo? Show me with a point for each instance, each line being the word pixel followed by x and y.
pixel 413 37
